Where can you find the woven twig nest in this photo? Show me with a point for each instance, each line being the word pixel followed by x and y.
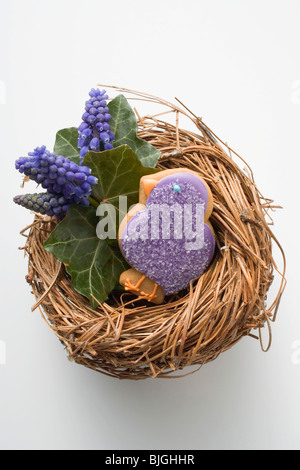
pixel 133 339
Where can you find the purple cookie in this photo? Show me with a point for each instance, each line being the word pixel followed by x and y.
pixel 168 241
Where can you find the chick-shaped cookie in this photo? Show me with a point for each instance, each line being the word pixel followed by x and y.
pixel 166 237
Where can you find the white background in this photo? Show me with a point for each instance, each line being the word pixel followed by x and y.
pixel 236 64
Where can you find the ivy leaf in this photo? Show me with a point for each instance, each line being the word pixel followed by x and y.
pixel 93 265
pixel 123 124
pixel 66 144
pixel 118 171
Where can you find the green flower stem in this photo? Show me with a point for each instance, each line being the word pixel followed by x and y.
pixel 93 202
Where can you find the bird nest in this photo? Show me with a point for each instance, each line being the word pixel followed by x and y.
pixel 130 338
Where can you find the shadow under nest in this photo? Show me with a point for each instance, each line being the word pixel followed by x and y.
pixel 133 339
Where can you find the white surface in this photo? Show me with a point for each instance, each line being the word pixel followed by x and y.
pixel 237 65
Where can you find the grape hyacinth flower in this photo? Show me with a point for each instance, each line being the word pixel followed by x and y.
pixel 65 181
pixel 94 132
pixel 44 203
pixel 57 174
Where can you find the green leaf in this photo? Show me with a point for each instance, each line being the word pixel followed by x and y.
pixel 118 171
pixel 123 124
pixel 93 265
pixel 66 144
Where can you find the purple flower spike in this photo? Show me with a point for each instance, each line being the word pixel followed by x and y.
pixel 94 131
pixel 66 182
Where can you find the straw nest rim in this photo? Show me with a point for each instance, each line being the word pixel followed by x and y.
pixel 131 339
